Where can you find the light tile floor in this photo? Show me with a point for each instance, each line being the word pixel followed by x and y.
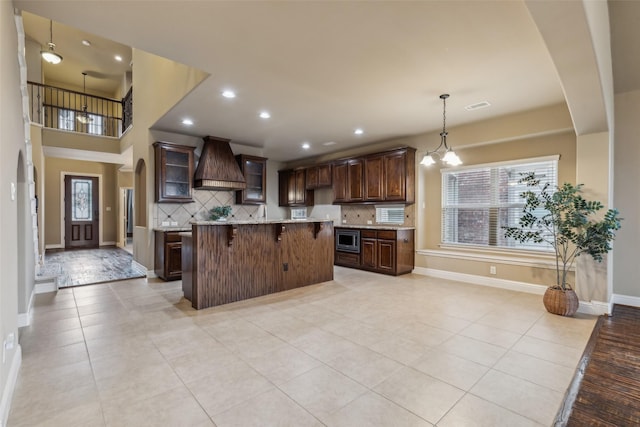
pixel 362 350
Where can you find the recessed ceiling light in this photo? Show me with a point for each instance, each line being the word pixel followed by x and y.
pixel 187 122
pixel 86 42
pixel 228 94
pixel 328 143
pixel 118 58
pixel 358 131
pixel 265 115
pixel 306 145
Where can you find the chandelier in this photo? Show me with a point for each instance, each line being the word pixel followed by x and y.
pixel 83 117
pixel 50 55
pixel 449 157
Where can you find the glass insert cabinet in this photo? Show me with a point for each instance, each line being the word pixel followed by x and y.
pixel 254 170
pixel 174 173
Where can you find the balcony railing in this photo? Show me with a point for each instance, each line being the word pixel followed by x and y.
pixel 69 110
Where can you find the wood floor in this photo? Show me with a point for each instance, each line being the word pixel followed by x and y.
pixel 609 393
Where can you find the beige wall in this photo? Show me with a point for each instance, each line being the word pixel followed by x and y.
pixel 626 268
pixel 80 141
pixel 53 170
pixel 158 85
pixel 17 258
pixel 39 177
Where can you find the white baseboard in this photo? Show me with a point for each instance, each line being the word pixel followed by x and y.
pixel 54 246
pixel 596 308
pixel 45 287
pixel 626 300
pixel 151 274
pixel 107 243
pixel 10 385
pixel 25 319
pixel 511 285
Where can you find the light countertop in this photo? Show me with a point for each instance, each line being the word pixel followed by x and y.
pixel 174 228
pixel 375 227
pixel 261 221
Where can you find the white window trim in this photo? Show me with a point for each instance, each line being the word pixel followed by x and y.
pixel 506 257
pixel 553 157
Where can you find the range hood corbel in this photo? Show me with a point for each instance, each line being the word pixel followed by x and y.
pixel 217 168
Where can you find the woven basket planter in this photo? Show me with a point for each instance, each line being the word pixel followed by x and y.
pixel 563 303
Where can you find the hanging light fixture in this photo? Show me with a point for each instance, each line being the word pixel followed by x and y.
pixel 50 55
pixel 449 156
pixel 84 117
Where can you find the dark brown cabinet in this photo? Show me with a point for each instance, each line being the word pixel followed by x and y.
pixel 254 170
pixel 168 255
pixel 318 177
pixel 292 189
pixel 348 181
pixel 387 177
pixel 374 178
pixel 383 251
pixel 174 173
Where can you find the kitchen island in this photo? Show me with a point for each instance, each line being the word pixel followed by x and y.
pixel 223 262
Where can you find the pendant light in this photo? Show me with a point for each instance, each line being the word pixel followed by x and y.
pixel 449 157
pixel 83 117
pixel 50 55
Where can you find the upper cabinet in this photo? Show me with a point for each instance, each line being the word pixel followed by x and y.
pixel 292 188
pixel 254 170
pixel 387 177
pixel 174 173
pixel 318 176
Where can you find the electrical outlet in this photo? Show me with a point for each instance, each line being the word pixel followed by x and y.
pixel 174 223
pixel 165 223
pixel 492 269
pixel 369 222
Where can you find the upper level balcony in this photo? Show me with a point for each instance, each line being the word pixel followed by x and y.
pixel 73 111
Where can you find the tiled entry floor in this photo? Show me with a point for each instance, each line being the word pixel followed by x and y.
pixel 87 266
pixel 361 350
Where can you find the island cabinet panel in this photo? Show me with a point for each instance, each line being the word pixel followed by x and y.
pixel 233 262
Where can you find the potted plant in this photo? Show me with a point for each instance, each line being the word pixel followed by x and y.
pixel 561 217
pixel 220 213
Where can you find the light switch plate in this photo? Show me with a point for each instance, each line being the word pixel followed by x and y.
pixel 165 223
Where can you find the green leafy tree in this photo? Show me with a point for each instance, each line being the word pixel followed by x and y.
pixel 567 224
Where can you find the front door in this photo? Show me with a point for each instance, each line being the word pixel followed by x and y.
pixel 81 212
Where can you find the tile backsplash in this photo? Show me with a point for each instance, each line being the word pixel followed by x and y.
pixel 360 214
pixel 203 201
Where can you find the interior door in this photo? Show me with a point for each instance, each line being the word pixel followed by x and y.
pixel 81 212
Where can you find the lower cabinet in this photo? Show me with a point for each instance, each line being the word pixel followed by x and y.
pixel 382 251
pixel 168 255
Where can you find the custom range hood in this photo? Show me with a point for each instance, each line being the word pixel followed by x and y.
pixel 217 168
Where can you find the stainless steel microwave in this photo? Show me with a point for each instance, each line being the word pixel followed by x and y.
pixel 348 240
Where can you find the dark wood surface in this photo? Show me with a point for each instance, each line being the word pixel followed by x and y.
pixel 382 251
pixel 292 188
pixel 254 170
pixel 609 393
pixel 318 176
pixel 260 259
pixel 168 255
pixel 174 173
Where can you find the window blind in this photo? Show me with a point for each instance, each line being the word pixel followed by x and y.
pixel 390 214
pixel 478 201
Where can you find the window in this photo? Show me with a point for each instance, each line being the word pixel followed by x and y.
pixel 390 214
pixel 477 201
pixel 66 119
pixel 94 126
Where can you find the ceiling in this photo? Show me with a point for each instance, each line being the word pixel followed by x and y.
pixel 322 69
